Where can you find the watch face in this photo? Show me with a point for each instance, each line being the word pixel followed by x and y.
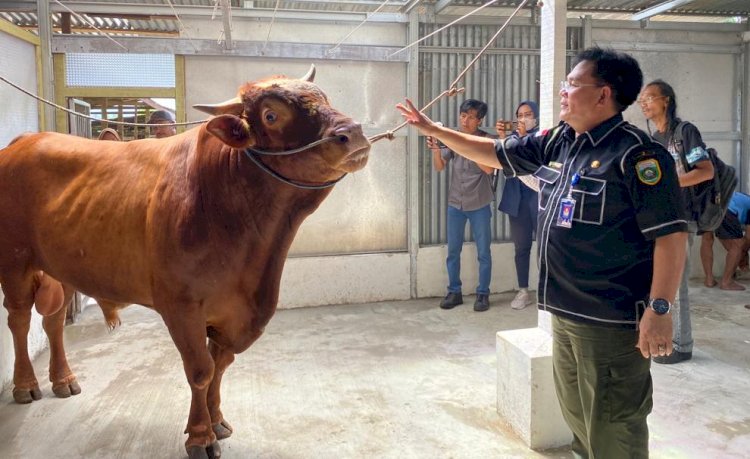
pixel 660 306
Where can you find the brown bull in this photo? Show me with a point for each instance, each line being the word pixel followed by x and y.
pixel 196 226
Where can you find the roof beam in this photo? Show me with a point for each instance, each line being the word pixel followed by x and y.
pixel 658 9
pixel 86 7
pixel 208 47
pixel 441 5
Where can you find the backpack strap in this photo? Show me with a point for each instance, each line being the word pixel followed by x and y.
pixel 677 138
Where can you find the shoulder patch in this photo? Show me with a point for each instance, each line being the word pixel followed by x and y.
pixel 648 171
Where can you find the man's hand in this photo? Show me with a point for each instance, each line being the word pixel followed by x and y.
pixel 655 334
pixel 417 119
pixel 432 143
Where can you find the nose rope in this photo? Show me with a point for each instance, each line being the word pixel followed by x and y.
pixel 296 150
pixel 249 153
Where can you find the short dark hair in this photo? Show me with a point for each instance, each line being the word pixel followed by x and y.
pixel 161 116
pixel 473 104
pixel 618 70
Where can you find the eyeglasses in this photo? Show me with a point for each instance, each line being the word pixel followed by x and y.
pixel 567 85
pixel 648 100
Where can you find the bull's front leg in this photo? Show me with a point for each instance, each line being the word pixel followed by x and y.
pixel 64 383
pixel 222 357
pixel 187 326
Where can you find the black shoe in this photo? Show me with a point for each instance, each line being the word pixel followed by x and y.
pixel 482 303
pixel 451 300
pixel 674 357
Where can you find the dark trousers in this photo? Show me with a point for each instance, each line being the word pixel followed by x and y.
pixel 604 387
pixel 522 229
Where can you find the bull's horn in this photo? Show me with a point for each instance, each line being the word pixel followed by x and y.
pixel 310 75
pixel 231 106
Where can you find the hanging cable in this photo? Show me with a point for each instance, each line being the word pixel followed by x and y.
pixel 91 23
pixel 182 25
pixel 445 27
pixel 355 29
pixel 270 26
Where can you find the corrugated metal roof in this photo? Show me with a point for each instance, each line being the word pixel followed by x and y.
pixel 109 15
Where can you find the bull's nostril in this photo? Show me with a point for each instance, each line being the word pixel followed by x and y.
pixel 343 139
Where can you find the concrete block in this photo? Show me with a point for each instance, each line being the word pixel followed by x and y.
pixel 526 398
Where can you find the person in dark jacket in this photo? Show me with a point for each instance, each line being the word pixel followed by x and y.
pixel 611 241
pixel 659 105
pixel 519 201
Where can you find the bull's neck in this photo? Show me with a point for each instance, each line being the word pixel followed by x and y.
pixel 241 202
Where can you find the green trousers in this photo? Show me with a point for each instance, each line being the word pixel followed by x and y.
pixel 604 387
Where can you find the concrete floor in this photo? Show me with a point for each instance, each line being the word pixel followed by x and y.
pixel 386 380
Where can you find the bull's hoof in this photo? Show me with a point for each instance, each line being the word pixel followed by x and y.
pixel 24 396
pixel 65 390
pixel 212 451
pixel 222 430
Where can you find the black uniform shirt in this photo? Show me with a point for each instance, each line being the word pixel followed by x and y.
pixel 598 271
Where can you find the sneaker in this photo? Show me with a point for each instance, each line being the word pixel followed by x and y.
pixel 451 300
pixel 674 357
pixel 522 299
pixel 482 303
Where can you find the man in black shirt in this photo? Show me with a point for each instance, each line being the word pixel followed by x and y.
pixel 611 234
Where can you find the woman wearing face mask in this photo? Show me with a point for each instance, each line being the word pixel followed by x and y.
pixel 520 203
pixel 659 105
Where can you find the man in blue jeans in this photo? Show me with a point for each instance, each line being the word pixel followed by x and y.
pixel 469 197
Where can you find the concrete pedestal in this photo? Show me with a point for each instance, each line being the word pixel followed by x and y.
pixel 526 397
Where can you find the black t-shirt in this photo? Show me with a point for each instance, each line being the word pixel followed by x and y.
pixel 688 153
pixel 600 270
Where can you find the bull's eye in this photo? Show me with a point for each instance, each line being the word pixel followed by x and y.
pixel 271 117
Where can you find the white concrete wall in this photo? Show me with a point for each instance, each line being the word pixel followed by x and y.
pixel 366 211
pixel 706 86
pixel 17 64
pixel 339 279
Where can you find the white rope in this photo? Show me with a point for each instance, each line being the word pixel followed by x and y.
pixel 453 89
pixel 82 18
pixel 81 115
pixel 445 27
pixel 356 28
pixel 270 26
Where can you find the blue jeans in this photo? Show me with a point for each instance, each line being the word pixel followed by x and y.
pixel 682 332
pixel 481 231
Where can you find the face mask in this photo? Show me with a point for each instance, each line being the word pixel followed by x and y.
pixel 529 123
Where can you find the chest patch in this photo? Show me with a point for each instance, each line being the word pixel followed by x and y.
pixel 648 171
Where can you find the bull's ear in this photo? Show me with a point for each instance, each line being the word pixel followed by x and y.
pixel 310 75
pixel 231 106
pixel 232 130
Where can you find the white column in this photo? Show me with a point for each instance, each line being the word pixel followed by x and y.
pixel 526 396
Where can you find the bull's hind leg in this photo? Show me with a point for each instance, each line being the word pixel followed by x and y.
pixel 223 357
pixel 19 298
pixel 64 383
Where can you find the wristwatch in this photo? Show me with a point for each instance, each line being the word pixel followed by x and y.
pixel 660 306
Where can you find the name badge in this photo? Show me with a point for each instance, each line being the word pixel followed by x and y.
pixel 565 214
